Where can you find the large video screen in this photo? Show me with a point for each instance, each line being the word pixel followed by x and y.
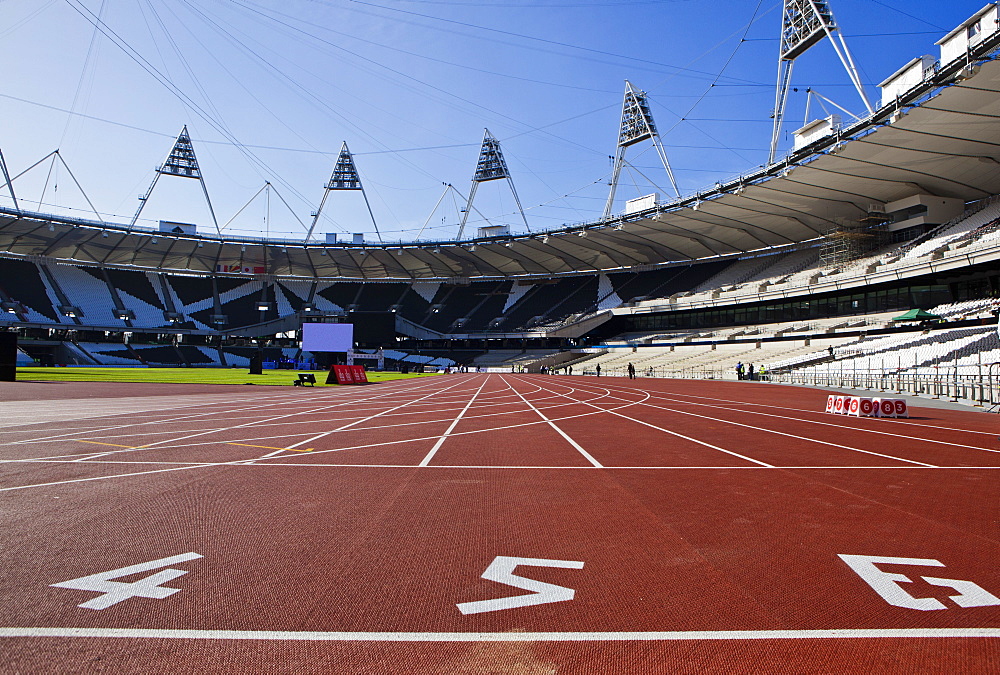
pixel 327 337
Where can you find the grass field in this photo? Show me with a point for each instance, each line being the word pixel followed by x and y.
pixel 183 375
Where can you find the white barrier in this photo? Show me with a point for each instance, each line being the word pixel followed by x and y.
pixel 866 407
pixel 886 407
pixel 856 406
pixel 862 407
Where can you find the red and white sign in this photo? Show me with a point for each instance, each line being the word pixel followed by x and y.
pixel 853 406
pixel 866 407
pixel 901 409
pixel 886 407
pixel 349 375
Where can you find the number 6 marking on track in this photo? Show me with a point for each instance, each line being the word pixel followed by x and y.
pixel 501 570
pixel 887 585
pixel 116 591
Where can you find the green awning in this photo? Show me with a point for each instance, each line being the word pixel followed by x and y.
pixel 916 315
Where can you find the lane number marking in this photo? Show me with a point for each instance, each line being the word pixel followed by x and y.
pixel 502 569
pixel 117 591
pixel 887 585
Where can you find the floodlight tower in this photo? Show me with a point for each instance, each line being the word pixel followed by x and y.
pixel 180 162
pixel 8 182
pixel 637 126
pixel 803 24
pixel 344 177
pixel 491 166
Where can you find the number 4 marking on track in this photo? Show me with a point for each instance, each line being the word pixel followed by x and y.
pixel 116 591
pixel 887 585
pixel 501 570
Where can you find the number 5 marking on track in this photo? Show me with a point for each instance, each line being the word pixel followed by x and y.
pixel 116 591
pixel 501 570
pixel 887 585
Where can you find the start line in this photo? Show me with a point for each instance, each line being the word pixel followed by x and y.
pixel 317 636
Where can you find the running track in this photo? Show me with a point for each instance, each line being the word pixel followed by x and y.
pixel 653 526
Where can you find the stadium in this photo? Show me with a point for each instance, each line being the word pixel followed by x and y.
pixel 632 412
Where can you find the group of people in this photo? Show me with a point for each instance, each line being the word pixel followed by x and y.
pixel 748 373
pixel 629 370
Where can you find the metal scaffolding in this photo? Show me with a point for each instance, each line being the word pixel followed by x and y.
pixel 847 242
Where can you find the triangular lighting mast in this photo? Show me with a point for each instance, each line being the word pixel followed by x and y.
pixel 345 177
pixel 803 24
pixel 9 183
pixel 637 126
pixel 491 166
pixel 180 162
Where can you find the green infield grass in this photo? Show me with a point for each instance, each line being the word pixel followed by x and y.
pixel 185 375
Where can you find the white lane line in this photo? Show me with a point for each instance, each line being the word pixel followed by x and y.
pixel 552 424
pixel 280 437
pixel 437 446
pixel 87 458
pixel 800 438
pixel 715 467
pixel 365 419
pixel 782 433
pixel 668 431
pixel 219 430
pixel 298 423
pixel 31 413
pixel 839 427
pixel 118 475
pixel 595 636
pixel 65 436
pixel 807 411
pixel 597 410
pixel 270 454
pixel 265 421
pixel 255 462
pixel 62 460
pixel 268 401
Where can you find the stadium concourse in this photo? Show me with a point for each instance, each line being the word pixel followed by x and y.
pixel 473 523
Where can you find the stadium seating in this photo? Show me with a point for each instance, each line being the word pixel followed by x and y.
pixel 21 281
pixel 36 292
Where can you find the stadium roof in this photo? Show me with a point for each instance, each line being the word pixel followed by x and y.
pixel 942 138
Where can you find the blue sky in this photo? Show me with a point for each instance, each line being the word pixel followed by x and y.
pixel 269 91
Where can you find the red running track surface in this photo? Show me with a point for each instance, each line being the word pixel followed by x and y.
pixel 645 526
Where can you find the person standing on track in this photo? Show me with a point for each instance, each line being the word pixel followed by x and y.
pixel 750 372
pixel 631 372
pixel 598 369
pixel 739 370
